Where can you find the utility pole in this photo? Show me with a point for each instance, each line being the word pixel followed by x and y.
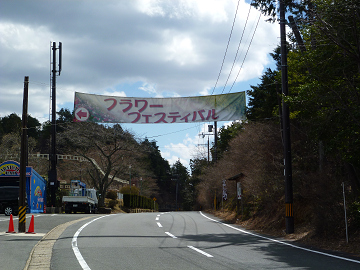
pixel 289 214
pixel 52 174
pixel 215 141
pixel 210 128
pixel 23 158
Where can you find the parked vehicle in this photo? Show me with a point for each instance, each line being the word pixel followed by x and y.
pixel 81 199
pixel 9 200
pixel 35 198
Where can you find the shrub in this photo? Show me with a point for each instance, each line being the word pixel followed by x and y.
pixel 355 212
pixel 126 190
pixel 112 204
pixel 111 194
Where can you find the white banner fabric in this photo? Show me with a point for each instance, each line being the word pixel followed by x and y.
pixel 111 109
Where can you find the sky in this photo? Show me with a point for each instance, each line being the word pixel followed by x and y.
pixel 137 48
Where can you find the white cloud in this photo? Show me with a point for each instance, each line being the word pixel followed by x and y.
pixel 115 93
pixel 181 50
pixel 128 48
pixel 213 9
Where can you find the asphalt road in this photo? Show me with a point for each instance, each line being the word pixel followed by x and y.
pixel 174 240
pixel 15 248
pixel 180 240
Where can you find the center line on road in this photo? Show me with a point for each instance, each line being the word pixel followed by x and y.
pixel 158 223
pixel 157 218
pixel 200 251
pixel 171 235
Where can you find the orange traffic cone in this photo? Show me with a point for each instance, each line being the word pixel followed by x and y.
pixel 11 225
pixel 31 226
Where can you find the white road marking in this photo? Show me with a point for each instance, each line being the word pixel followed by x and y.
pixel 23 234
pixel 77 253
pixel 171 235
pixel 200 251
pixel 157 218
pixel 280 242
pixel 158 223
pixel 28 215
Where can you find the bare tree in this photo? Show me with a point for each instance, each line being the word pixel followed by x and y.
pixel 109 152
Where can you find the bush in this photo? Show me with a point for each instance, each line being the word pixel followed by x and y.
pixel 111 194
pixel 112 204
pixel 126 190
pixel 355 212
pixel 135 201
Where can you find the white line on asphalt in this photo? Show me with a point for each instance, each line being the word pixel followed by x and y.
pixel 200 251
pixel 157 218
pixel 281 242
pixel 171 235
pixel 158 223
pixel 28 215
pixel 76 250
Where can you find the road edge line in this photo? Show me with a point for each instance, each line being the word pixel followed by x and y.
pixel 282 242
pixel 59 229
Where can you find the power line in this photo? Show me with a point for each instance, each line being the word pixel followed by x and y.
pixel 174 132
pixel 237 51
pixel 246 53
pixel 222 64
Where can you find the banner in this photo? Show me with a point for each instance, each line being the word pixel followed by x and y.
pixel 111 109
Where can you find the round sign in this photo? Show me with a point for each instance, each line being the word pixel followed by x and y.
pixel 82 114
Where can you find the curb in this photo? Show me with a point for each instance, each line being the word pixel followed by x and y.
pixel 40 255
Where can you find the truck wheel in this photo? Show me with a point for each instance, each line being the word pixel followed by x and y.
pixel 8 210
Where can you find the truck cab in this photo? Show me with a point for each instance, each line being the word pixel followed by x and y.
pixel 81 199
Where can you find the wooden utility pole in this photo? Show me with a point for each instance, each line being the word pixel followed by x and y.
pixel 289 214
pixel 215 141
pixel 23 159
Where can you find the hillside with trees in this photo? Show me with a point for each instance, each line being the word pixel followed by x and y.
pixel 324 98
pixel 105 153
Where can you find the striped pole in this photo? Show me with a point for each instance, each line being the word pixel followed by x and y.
pixel 22 218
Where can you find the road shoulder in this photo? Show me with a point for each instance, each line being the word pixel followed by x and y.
pixel 40 255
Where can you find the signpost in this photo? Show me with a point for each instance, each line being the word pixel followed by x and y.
pixel 154 199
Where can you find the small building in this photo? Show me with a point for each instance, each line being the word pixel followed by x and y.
pixel 35 184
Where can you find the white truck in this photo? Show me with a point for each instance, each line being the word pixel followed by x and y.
pixel 81 199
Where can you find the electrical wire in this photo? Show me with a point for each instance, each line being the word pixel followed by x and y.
pixel 237 51
pixel 222 64
pixel 172 132
pixel 257 24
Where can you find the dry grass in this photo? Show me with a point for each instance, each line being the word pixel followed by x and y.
pixel 304 234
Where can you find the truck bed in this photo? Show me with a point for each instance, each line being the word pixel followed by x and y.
pixel 79 199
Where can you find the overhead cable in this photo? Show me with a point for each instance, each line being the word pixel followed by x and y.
pixel 222 64
pixel 245 54
pixel 237 51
